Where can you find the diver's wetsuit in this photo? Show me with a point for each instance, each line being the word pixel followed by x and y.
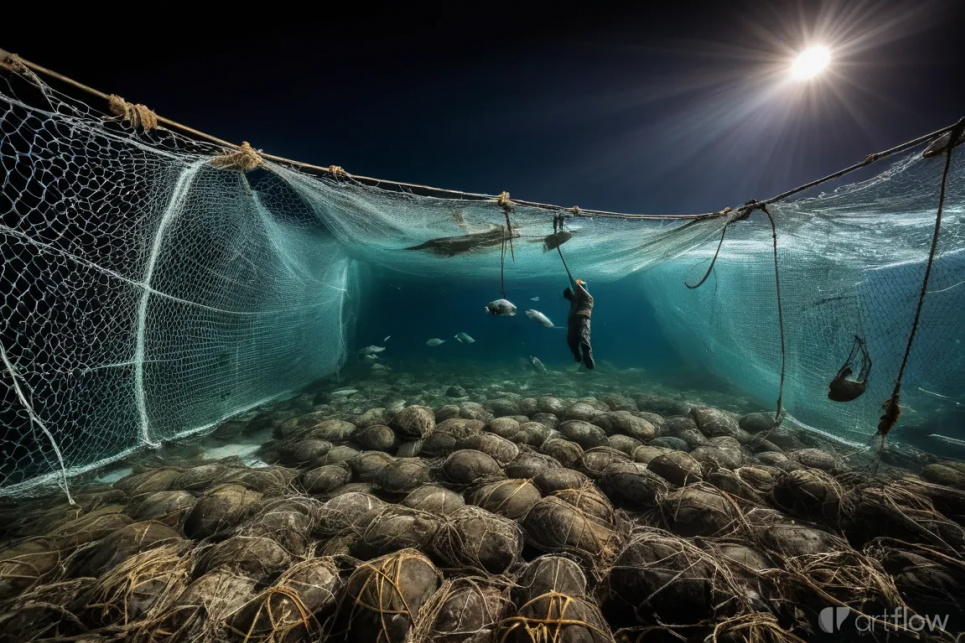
pixel 578 323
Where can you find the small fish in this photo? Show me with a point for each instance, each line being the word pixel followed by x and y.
pixel 463 338
pixel 370 358
pixel 501 307
pixel 538 365
pixel 534 298
pixel 386 338
pixel 435 342
pixel 540 318
pixel 371 350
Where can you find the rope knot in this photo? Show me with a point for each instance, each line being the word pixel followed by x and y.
pixel 14 63
pixel 139 116
pixel 503 201
pixel 576 211
pixel 244 159
pixel 337 171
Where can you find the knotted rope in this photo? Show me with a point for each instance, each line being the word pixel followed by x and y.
pixel 244 159
pixel 139 116
pixel 13 63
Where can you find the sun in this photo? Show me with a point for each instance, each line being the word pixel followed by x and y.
pixel 810 62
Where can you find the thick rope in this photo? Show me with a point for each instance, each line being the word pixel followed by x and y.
pixel 139 116
pixel 713 262
pixel 244 159
pixel 780 321
pixel 892 406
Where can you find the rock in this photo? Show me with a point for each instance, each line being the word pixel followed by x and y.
pixel 712 458
pixel 594 461
pixel 730 483
pixel 648 452
pixel 548 420
pixel 667 442
pixel 943 474
pixel 619 403
pixel 438 444
pixel 656 420
pixel 305 452
pixel 583 433
pixel 549 405
pixel 757 422
pixel 510 498
pixel 714 422
pixel 410 449
pixel 623 423
pixel 632 484
pixel 372 417
pixel 725 442
pixel 580 411
pixel 528 406
pixel 558 479
pixel 167 507
pixel 334 431
pixel 664 406
pixel 502 408
pixel 137 484
pixel 460 427
pixel 455 391
pixel 815 459
pixel 467 466
pixel 348 511
pixel 504 427
pixel 198 478
pixel 414 421
pixel 676 467
pixel 698 511
pixel 623 443
pixel 771 458
pixel 553 525
pixel 447 412
pixel 500 449
pixel 376 437
pixel 404 475
pixel 533 434
pixel 785 439
pixel 338 454
pixel 474 411
pixel 367 465
pixel 256 557
pixel 120 545
pixel 325 479
pixel 220 510
pixel 530 465
pixel 433 499
pixel 395 527
pixel 566 452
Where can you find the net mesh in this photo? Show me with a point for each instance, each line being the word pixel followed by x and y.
pixel 146 293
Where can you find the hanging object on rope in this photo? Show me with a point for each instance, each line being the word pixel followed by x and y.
pixel 560 234
pixel 843 389
pixel 891 408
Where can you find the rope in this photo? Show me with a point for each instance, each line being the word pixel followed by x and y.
pixel 19 65
pixel 244 159
pixel 780 320
pixel 713 262
pixel 139 116
pixel 892 406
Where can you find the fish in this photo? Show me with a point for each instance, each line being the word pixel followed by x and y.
pixel 501 307
pixel 540 318
pixel 371 350
pixel 386 338
pixel 538 365
pixel 463 338
pixel 370 358
pixel 467 243
pixel 435 342
pixel 534 298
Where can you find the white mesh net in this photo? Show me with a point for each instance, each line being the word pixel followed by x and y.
pixel 146 294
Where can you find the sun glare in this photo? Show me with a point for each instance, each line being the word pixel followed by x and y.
pixel 810 63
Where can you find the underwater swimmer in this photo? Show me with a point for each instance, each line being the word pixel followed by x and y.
pixel 578 321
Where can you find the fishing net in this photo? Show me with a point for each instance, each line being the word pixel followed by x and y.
pixel 154 284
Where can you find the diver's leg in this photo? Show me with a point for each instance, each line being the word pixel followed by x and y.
pixel 585 344
pixel 573 340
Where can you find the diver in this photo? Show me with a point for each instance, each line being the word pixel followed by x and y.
pixel 842 389
pixel 578 322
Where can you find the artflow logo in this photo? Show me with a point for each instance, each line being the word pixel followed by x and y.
pixel 831 620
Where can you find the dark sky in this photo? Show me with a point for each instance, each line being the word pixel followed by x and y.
pixel 651 109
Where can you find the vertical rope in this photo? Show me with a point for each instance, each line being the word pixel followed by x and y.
pixel 713 262
pixel 892 406
pixel 780 320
